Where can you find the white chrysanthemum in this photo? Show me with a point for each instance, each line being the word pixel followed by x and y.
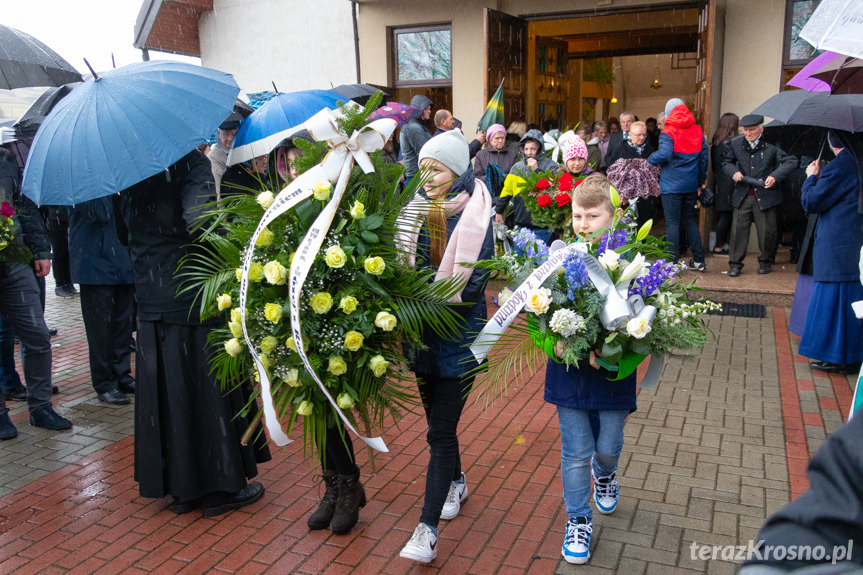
pixel 566 322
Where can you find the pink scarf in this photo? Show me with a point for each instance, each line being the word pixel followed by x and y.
pixel 465 242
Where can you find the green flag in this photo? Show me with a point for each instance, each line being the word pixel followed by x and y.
pixel 494 110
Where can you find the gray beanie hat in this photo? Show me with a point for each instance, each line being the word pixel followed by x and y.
pixel 450 149
pixel 673 103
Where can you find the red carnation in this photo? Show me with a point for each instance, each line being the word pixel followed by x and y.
pixel 564 184
pixel 544 201
pixel 543 184
pixel 562 199
pixel 6 210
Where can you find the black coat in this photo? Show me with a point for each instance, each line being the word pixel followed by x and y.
pixel 760 162
pixel 627 152
pixel 723 185
pixel 96 256
pixel 27 220
pixel 157 220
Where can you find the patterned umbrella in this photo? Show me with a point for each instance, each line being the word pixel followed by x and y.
pixel 634 178
pixel 401 113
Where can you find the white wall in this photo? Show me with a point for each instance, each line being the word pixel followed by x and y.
pixel 298 44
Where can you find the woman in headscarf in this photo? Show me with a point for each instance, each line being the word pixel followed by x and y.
pixel 494 162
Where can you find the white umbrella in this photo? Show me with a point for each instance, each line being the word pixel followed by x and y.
pixel 836 25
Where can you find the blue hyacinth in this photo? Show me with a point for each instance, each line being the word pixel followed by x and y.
pixel 575 274
pixel 612 240
pixel 527 241
pixel 659 273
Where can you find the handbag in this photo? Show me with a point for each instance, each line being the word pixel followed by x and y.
pixel 707 198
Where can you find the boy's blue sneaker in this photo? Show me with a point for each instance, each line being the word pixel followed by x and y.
pixel 605 492
pixel 576 542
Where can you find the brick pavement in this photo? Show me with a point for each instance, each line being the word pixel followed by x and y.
pixel 719 445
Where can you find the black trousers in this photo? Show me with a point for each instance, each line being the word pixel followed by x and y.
pixel 443 401
pixel 57 225
pixel 765 225
pixel 107 313
pixel 339 451
pixel 723 227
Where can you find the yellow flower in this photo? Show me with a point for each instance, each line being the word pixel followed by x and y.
pixel 273 312
pixel 256 272
pixel 292 378
pixel 239 273
pixel 236 328
pixel 292 345
pixel 236 315
pixel 375 265
pixel 306 408
pixel 345 401
pixel 322 190
pixel 378 365
pixel 224 301
pixel 265 361
pixel 335 257
pixel 337 365
pixel 348 304
pixel 268 344
pixel 353 340
pixel 358 210
pixel 276 273
pixel 265 238
pixel 386 321
pixel 233 346
pixel 265 199
pixel 321 302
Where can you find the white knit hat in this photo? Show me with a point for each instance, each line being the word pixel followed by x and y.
pixel 450 149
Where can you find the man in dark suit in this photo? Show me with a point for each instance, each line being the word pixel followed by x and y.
pixel 756 168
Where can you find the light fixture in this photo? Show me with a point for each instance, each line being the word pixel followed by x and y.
pixel 656 84
pixel 614 99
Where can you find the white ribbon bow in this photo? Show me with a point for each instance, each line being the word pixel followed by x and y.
pixel 550 143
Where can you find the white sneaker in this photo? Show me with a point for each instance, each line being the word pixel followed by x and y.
pixel 456 496
pixel 605 492
pixel 576 541
pixel 422 546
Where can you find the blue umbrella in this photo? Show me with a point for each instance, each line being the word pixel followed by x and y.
pixel 282 116
pixel 122 127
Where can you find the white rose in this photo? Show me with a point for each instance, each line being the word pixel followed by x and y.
pixel 292 378
pixel 609 259
pixel 634 269
pixel 638 327
pixel 538 301
pixel 275 273
pixel 265 199
pixel 504 296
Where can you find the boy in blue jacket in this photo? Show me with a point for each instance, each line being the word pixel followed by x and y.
pixel 591 409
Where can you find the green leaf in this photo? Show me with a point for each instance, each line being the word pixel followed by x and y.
pixel 372 222
pixel 369 237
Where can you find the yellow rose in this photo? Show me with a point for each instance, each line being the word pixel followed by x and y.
pixel 236 328
pixel 265 199
pixel 353 340
pixel 268 344
pixel 638 327
pixel 375 265
pixel 348 304
pixel 273 312
pixel 322 190
pixel 358 211
pixel 265 361
pixel 233 346
pixel 378 365
pixel 321 302
pixel 292 345
pixel 224 301
pixel 337 365
pixel 306 408
pixel 335 257
pixel 275 273
pixel 292 378
pixel 236 315
pixel 386 321
pixel 256 272
pixel 239 273
pixel 345 401
pixel 538 301
pixel 265 238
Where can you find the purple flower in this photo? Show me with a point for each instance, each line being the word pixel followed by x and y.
pixel 612 240
pixel 575 274
pixel 659 273
pixel 527 241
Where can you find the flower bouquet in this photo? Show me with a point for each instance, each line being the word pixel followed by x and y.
pixel 634 178
pixel 548 198
pixel 359 305
pixel 11 249
pixel 616 296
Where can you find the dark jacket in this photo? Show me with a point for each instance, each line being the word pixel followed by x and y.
pixel 158 217
pixel 414 135
pixel 587 388
pixel 682 154
pixel 615 142
pixel 722 182
pixel 96 256
pixel 451 358
pixel 27 222
pixel 504 158
pixel 626 151
pixel 839 233
pixel 521 215
pixel 759 162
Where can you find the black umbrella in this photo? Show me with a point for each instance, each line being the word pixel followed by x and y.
pixel 30 120
pixel 25 61
pixel 359 93
pixel 800 141
pixel 837 111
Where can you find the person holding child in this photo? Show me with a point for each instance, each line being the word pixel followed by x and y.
pixel 584 398
pixel 454 214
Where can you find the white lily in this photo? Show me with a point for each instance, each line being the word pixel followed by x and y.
pixel 634 269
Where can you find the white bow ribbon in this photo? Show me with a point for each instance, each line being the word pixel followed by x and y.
pixel 550 143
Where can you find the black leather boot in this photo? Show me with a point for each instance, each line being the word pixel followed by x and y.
pixel 321 518
pixel 351 498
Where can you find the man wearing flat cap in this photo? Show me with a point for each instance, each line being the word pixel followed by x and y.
pixel 218 155
pixel 756 168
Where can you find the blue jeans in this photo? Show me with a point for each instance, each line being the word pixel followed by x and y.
pixel 577 446
pixel 680 213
